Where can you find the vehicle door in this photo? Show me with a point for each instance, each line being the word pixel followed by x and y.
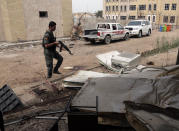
pixel 121 31
pixel 114 32
pixel 144 27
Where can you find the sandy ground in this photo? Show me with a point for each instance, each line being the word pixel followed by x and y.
pixel 22 67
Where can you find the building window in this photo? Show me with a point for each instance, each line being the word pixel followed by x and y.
pixel 109 8
pixel 155 7
pixel 116 8
pixel 150 7
pixel 174 6
pixel 106 8
pixel 165 19
pixel 125 8
pixel 123 17
pixel 43 14
pixel 149 18
pixel 172 19
pixel 142 7
pixel 167 6
pixel 131 17
pixel 153 18
pixel 132 7
pixel 113 8
pixel 141 17
pixel 121 8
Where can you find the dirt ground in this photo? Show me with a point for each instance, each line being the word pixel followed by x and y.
pixel 20 68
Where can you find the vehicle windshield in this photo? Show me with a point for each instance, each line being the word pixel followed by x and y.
pixel 134 23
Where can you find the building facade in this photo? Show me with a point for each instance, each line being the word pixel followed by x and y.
pixel 157 11
pixel 24 20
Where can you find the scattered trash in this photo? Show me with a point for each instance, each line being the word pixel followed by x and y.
pixel 74 68
pixel 8 99
pixel 150 63
pixel 68 68
pixel 79 79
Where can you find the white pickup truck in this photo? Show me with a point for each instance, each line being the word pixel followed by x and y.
pixel 139 28
pixel 106 32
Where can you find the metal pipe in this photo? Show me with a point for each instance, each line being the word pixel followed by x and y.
pixel 46 117
pixel 50 113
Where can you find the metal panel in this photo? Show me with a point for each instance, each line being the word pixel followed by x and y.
pixel 8 99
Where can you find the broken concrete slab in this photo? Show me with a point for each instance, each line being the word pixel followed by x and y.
pixel 116 61
pixel 105 59
pixel 112 92
pixel 145 117
pixel 82 76
pixel 125 60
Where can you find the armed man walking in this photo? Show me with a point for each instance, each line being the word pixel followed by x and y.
pixel 49 43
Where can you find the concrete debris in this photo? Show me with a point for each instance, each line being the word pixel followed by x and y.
pixel 117 61
pixel 113 91
pixel 124 60
pixel 145 117
pixel 79 79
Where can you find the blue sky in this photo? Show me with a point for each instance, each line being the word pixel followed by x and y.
pixel 87 5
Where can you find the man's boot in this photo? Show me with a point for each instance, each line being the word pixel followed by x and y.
pixel 49 74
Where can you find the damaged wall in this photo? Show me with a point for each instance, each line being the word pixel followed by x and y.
pixel 28 19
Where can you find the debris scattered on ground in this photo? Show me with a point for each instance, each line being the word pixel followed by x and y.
pixel 150 63
pixel 113 91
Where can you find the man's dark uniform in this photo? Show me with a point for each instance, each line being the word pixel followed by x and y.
pixel 51 53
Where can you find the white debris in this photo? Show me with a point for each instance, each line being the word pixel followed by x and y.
pixel 82 76
pixel 117 61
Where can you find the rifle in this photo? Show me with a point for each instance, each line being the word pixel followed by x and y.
pixel 65 47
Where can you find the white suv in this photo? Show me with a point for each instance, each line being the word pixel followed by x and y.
pixel 139 28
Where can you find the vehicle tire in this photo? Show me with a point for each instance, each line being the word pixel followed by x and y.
pixel 107 39
pixel 93 41
pixel 126 37
pixel 149 33
pixel 140 34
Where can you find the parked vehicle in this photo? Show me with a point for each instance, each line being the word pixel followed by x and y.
pixel 106 32
pixel 139 28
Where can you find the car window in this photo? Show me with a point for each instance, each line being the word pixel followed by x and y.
pixel 143 23
pixel 103 26
pixel 134 23
pixel 119 26
pixel 114 27
pixel 107 26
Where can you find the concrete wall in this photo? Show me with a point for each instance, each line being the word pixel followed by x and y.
pixel 20 21
pixel 2 38
pixel 35 25
pixel 13 20
pixel 67 17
